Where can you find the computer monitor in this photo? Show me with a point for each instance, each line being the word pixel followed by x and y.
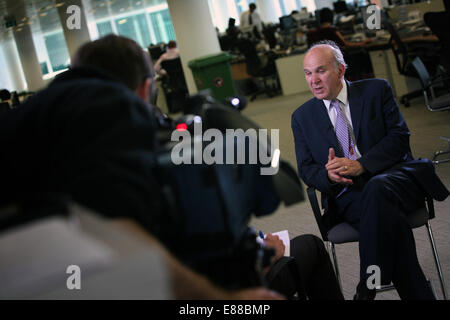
pixel 287 23
pixel 156 51
pixel 364 14
pixel 340 6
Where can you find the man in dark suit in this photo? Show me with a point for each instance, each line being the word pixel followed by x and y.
pixel 352 144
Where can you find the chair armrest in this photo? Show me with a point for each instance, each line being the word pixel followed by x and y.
pixel 317 213
pixel 438 79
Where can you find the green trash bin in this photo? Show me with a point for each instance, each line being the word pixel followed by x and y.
pixel 214 72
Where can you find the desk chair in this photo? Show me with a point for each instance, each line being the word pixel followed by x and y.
pixel 439 24
pixel 345 233
pixel 226 42
pixel 432 101
pixel 269 34
pixel 404 55
pixel 174 84
pixel 4 107
pixel 267 73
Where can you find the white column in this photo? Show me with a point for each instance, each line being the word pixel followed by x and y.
pixel 268 11
pixel 77 36
pixel 222 14
pixel 290 5
pixel 309 4
pixel 14 79
pixel 25 47
pixel 196 36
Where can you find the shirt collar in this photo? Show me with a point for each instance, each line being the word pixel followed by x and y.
pixel 341 97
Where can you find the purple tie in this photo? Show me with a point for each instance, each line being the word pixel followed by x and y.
pixel 343 133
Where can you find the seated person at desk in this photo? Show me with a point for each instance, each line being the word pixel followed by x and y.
pixel 232 30
pixel 327 32
pixel 359 60
pixel 228 41
pixel 171 53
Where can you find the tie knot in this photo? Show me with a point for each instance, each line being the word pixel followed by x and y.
pixel 335 103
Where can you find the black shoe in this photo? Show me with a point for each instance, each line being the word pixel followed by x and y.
pixel 364 293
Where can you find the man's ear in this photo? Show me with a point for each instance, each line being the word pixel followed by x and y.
pixel 341 70
pixel 143 90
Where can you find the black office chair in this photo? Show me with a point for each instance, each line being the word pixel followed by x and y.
pixel 226 43
pixel 4 108
pixel 345 233
pixel 156 51
pixel 267 73
pixel 434 102
pixel 439 24
pixel 404 55
pixel 4 104
pixel 269 34
pixel 174 85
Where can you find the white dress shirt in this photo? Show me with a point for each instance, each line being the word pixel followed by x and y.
pixel 256 19
pixel 342 97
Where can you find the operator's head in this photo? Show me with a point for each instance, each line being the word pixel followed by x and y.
pixel 326 15
pixel 252 7
pixel 324 68
pixel 121 57
pixel 172 44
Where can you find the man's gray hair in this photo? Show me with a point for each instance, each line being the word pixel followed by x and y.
pixel 338 56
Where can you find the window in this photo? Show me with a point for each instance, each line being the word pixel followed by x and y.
pixel 282 7
pixel 146 26
pixel 239 6
pixel 44 67
pixel 126 27
pixel 142 28
pixel 162 26
pixel 104 28
pixel 57 51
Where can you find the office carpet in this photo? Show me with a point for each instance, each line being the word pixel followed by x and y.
pixel 425 127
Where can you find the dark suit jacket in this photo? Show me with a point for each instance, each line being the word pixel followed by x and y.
pixel 381 134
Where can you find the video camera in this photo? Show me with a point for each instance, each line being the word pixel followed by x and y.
pixel 212 195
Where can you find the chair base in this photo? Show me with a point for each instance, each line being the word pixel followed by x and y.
pixel 439 153
pixel 409 96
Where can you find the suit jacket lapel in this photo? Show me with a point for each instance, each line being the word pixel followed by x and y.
pixel 356 108
pixel 326 127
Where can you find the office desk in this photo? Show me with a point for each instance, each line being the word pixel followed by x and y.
pixel 292 78
pixel 239 69
pixel 385 66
